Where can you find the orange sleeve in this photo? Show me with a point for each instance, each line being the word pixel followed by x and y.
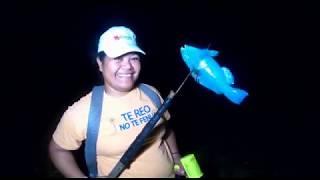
pixel 71 130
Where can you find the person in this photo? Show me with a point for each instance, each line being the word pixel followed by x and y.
pixel 118 60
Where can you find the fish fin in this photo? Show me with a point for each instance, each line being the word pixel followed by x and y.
pixel 228 75
pixel 213 53
pixel 236 95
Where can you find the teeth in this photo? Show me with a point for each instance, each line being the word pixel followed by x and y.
pixel 124 75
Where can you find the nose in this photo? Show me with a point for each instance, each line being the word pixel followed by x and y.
pixel 126 63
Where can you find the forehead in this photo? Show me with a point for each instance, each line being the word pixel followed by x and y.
pixel 130 55
pixel 127 55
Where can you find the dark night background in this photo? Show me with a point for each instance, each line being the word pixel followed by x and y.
pixel 48 50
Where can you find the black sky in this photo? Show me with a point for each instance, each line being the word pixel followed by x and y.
pixel 48 62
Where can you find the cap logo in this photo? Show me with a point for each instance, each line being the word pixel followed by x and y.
pixel 118 37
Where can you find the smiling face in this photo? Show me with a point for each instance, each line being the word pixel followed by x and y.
pixel 120 74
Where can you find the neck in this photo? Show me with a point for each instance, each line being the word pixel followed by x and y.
pixel 112 92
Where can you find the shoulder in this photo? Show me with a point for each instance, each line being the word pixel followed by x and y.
pixel 83 102
pixel 152 88
pixel 152 93
pixel 71 128
pixel 166 114
pixel 80 107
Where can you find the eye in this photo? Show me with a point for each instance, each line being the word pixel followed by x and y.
pixel 135 58
pixel 118 59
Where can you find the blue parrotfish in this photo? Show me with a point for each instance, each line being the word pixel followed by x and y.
pixel 207 72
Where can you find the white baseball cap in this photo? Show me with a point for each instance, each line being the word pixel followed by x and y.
pixel 117 41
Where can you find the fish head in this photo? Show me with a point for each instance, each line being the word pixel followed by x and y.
pixel 193 56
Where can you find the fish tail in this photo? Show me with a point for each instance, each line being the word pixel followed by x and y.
pixel 236 95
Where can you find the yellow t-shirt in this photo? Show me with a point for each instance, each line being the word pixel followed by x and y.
pixel 122 119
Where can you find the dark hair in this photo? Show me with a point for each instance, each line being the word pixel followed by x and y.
pixel 101 55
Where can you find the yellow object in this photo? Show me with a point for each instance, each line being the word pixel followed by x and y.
pixel 191 166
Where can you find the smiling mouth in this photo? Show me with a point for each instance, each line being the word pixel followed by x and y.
pixel 125 75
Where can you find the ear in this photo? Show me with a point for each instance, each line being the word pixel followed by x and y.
pixel 100 63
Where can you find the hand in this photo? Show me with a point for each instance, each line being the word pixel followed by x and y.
pixel 179 170
pixel 178 167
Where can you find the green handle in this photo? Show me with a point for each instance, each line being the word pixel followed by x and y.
pixel 191 166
